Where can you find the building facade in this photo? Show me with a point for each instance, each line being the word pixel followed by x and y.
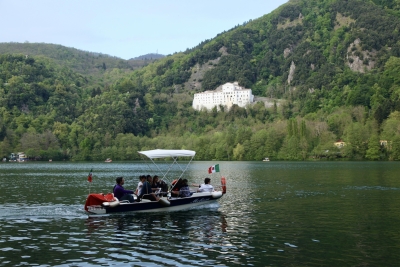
pixel 225 95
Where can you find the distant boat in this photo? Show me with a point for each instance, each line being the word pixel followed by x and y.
pixel 22 157
pixel 266 159
pixel 108 160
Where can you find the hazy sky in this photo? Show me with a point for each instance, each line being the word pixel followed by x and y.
pixel 125 28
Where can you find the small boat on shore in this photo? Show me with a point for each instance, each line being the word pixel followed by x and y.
pixel 98 204
pixel 266 159
pixel 108 160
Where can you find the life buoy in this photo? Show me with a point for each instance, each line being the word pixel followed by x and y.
pixel 223 185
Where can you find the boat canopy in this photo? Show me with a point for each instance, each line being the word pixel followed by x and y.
pixel 166 153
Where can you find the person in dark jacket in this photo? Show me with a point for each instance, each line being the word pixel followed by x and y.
pixel 159 184
pixel 147 191
pixel 120 192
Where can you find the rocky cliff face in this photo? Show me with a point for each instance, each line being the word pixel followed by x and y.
pixel 198 71
pixel 291 73
pixel 359 60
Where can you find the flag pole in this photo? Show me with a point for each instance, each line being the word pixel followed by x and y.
pixel 213 170
pixel 90 178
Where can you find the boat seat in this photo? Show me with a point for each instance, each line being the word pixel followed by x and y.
pixel 145 199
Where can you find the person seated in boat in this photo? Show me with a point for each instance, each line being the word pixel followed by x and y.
pixel 159 184
pixel 142 178
pixel 120 192
pixel 156 184
pixel 175 187
pixel 206 187
pixel 184 191
pixel 147 192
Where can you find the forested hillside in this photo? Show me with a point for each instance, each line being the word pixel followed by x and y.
pixel 332 67
pixel 99 68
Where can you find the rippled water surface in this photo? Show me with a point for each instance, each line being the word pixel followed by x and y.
pixel 274 214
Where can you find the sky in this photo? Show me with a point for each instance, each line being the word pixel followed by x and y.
pixel 125 28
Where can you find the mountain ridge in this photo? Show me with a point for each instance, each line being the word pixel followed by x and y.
pixel 84 62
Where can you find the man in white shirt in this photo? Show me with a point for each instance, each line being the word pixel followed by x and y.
pixel 142 178
pixel 206 187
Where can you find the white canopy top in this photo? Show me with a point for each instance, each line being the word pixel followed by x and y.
pixel 166 153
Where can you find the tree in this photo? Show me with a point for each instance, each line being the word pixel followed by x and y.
pixel 357 136
pixel 5 148
pixel 238 152
pixel 257 145
pixel 395 152
pixel 374 148
pixel 391 127
pixel 290 149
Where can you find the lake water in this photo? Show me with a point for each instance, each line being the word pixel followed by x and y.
pixel 273 214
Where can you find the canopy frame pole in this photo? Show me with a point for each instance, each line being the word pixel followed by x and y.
pixel 175 161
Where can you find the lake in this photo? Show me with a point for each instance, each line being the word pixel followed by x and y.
pixel 273 214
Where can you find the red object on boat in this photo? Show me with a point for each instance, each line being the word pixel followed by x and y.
pixel 98 199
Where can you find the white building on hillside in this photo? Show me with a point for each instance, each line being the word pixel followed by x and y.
pixel 225 95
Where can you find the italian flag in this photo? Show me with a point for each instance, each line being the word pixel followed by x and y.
pixel 213 168
pixel 89 178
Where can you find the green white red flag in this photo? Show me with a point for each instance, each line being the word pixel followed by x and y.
pixel 89 178
pixel 213 168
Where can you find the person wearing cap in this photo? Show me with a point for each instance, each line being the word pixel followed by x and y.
pixel 120 192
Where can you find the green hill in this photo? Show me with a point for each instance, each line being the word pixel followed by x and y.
pixel 84 62
pixel 331 66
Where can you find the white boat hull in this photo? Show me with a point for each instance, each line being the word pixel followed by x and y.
pixel 175 204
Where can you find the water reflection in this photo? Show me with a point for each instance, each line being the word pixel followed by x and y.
pixel 175 237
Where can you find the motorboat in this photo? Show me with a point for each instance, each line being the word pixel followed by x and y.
pixel 266 159
pixel 108 160
pixel 98 204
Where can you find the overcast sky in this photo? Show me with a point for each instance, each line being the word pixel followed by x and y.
pixel 125 28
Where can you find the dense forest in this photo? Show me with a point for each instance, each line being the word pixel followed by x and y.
pixel 330 66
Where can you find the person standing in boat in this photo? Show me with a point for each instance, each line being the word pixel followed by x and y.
pixel 120 192
pixel 206 187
